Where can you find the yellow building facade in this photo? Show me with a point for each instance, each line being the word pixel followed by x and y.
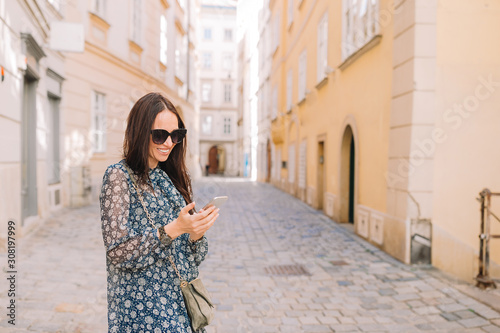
pixel 364 124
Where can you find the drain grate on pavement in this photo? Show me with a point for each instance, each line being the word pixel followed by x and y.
pixel 286 270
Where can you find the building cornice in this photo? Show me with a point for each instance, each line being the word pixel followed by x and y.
pixel 32 47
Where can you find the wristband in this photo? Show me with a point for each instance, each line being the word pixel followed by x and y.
pixel 165 239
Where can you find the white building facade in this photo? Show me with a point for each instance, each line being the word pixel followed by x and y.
pixel 218 87
pixel 64 113
pixel 30 90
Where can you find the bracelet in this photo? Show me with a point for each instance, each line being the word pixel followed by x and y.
pixel 195 241
pixel 165 239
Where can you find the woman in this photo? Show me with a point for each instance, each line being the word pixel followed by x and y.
pixel 143 288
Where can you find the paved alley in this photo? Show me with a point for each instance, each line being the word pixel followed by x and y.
pixel 274 265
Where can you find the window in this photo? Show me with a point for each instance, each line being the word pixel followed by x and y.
pixel 322 48
pixel 302 75
pixel 227 125
pixel 98 129
pixel 99 7
pixel 136 26
pixel 228 35
pixel 206 92
pixel 228 87
pixel 289 87
pixel 274 112
pixel 359 24
pixel 290 12
pixel 163 40
pixel 276 32
pixel 180 57
pixel 207 60
pixel 206 125
pixel 207 33
pixel 227 62
pixel 53 151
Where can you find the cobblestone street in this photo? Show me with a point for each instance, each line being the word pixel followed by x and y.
pixel 342 283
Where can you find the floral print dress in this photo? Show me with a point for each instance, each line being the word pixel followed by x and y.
pixel 143 289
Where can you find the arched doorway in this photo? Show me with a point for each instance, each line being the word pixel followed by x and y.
pixel 216 160
pixel 348 177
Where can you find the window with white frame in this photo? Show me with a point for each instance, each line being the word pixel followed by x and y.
pixel 274 112
pixel 302 74
pixel 206 92
pixel 359 24
pixel 227 62
pixel 228 35
pixel 53 142
pixel 228 87
pixel 180 57
pixel 136 26
pixel 322 48
pixel 227 125
pixel 290 12
pixel 276 32
pixel 163 40
pixel 99 7
pixel 206 124
pixel 207 33
pixel 98 123
pixel 289 89
pixel 207 60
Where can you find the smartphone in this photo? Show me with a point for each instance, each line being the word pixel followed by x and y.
pixel 216 201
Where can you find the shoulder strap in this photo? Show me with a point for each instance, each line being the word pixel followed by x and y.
pixel 139 194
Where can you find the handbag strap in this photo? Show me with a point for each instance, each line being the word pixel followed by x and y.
pixel 139 194
pixel 184 283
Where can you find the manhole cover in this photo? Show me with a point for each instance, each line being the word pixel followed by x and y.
pixel 338 263
pixel 286 270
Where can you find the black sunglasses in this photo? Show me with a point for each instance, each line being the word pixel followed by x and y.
pixel 161 135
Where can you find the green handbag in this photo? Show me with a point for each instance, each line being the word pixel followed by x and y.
pixel 198 304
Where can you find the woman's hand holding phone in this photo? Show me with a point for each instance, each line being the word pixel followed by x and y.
pixel 196 225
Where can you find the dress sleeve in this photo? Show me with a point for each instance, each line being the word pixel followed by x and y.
pixel 199 250
pixel 126 248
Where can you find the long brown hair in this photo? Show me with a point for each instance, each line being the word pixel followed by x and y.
pixel 136 143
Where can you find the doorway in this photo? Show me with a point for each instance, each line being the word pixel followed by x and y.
pixel 269 165
pixel 29 200
pixel 216 160
pixel 321 174
pixel 348 177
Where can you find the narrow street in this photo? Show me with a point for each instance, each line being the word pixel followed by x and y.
pixel 333 281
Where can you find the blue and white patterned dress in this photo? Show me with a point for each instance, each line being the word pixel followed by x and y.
pixel 143 288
